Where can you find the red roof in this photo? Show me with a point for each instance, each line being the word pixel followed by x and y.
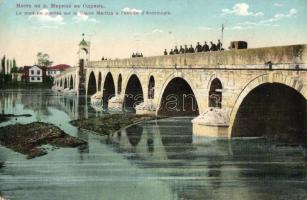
pixel 60 67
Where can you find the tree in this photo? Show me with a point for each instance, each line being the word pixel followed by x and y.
pixel 14 69
pixel 43 59
pixel 3 65
pixel 14 63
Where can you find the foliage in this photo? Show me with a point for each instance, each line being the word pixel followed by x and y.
pixel 14 63
pixel 3 65
pixel 48 81
pixel 43 59
pixel 14 70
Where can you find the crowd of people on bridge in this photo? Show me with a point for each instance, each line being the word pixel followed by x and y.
pixel 198 48
pixel 136 55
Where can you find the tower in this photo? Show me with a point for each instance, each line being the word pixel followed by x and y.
pixel 84 52
pixel 84 58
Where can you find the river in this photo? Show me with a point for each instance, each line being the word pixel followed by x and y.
pixel 153 160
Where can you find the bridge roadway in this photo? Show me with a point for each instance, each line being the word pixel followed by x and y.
pixel 213 86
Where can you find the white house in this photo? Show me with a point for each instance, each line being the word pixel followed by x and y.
pixel 35 74
pixel 56 70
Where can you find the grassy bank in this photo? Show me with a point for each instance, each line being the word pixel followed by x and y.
pixel 25 85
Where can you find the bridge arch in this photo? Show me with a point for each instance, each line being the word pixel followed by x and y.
pixel 215 93
pixel 108 89
pixel 134 94
pixel 119 84
pixel 91 84
pixel 178 97
pixel 99 81
pixel 71 84
pixel 151 88
pixel 65 83
pixel 277 90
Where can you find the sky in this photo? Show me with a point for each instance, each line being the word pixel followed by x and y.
pixel 133 26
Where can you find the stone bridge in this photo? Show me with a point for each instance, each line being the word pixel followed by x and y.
pixel 231 93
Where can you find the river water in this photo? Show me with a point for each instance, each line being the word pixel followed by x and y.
pixel 154 160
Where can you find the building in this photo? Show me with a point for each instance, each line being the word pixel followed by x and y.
pixel 56 70
pixel 35 74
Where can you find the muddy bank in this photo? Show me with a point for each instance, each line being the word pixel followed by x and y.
pixel 6 117
pixel 27 139
pixel 108 124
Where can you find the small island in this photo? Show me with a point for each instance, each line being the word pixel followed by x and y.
pixel 29 138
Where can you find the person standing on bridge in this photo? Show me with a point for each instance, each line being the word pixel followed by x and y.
pixel 176 50
pixel 219 45
pixel 213 46
pixel 186 49
pixel 171 52
pixel 191 49
pixel 206 47
pixel 165 52
pixel 181 50
pixel 133 55
pixel 198 47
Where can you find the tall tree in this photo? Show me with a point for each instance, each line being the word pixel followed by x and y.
pixel 43 59
pixel 14 63
pixel 3 65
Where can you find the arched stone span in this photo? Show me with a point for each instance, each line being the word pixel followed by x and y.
pixel 99 81
pixel 119 84
pixel 215 93
pixel 188 81
pixel 133 93
pixel 91 86
pixel 108 89
pixel 65 83
pixel 178 99
pixel 71 84
pixel 273 110
pixel 272 78
pixel 151 88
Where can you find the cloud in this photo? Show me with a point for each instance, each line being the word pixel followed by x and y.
pixel 278 4
pixel 44 17
pixel 132 10
pixel 157 31
pixel 240 9
pixel 279 16
pixel 266 22
pixel 205 28
pixel 82 17
pixel 238 27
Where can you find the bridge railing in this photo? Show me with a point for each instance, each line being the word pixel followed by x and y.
pixel 280 56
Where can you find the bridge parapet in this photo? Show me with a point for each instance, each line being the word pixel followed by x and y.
pixel 280 56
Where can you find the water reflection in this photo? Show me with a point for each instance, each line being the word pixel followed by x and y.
pixel 158 159
pixel 39 102
pixel 213 169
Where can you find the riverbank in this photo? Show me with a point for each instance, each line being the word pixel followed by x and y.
pixel 6 117
pixel 25 85
pixel 28 139
pixel 108 124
